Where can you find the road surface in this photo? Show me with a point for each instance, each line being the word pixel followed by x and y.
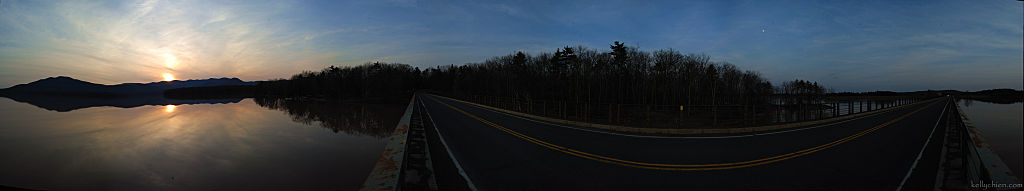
pixel 498 151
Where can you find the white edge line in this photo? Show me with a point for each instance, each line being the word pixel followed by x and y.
pixel 682 137
pixel 913 166
pixel 469 183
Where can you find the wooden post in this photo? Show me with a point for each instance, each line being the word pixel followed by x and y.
pixel 714 111
pixel 821 111
pixel 849 107
pixel 835 108
pixel 565 113
pixel 778 113
pixel 680 116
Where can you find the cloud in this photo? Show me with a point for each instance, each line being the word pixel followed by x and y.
pixel 113 43
pixel 847 45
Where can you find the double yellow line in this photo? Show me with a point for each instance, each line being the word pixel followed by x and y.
pixel 681 167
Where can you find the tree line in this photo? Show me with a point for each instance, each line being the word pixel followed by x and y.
pixel 349 82
pixel 801 92
pixel 621 74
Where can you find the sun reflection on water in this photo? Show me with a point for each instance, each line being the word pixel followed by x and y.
pixel 153 148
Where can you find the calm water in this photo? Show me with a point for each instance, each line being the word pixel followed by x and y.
pixel 1003 127
pixel 250 144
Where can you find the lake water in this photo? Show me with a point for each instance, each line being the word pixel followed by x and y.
pixel 263 144
pixel 1003 128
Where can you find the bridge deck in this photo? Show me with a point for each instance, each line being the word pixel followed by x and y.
pixel 498 151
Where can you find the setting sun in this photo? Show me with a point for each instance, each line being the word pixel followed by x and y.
pixel 168 77
pixel 169 108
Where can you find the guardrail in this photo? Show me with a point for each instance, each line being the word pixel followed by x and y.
pixel 984 169
pixel 778 110
pixel 689 131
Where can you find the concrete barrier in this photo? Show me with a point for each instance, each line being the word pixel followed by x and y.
pixel 386 173
pixel 991 165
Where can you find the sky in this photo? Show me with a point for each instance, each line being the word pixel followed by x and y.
pixel 846 45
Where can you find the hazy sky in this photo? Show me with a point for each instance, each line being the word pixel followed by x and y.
pixel 847 45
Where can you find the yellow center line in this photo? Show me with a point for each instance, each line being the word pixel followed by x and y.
pixel 680 167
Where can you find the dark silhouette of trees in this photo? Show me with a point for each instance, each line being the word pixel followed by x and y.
pixel 623 75
pixel 800 92
pixel 1000 96
pixel 364 81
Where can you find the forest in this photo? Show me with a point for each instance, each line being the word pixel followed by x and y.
pixel 621 75
pixel 372 80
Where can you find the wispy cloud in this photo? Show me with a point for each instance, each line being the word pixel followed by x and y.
pixel 118 42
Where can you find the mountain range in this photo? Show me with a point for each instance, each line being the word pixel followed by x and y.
pixel 63 85
pixel 64 93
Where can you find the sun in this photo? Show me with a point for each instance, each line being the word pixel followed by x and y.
pixel 169 108
pixel 168 77
pixel 170 61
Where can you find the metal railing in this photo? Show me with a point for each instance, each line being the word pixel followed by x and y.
pixel 695 115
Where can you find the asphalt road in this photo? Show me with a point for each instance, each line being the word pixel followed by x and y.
pixel 498 151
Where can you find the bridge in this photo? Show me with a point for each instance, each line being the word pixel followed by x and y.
pixel 449 144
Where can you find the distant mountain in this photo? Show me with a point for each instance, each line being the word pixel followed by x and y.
pixel 67 86
pixel 64 93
